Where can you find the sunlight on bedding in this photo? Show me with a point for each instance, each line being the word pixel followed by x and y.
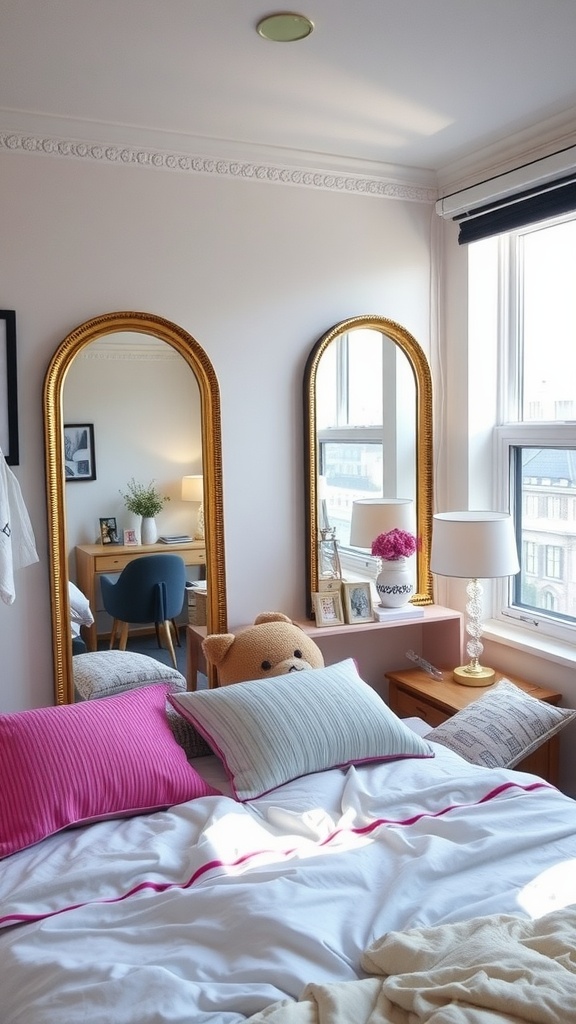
pixel 552 889
pixel 312 833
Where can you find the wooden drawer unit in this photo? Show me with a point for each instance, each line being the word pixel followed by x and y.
pixel 414 694
pixel 408 705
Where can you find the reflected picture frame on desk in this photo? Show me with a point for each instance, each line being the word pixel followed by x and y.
pixel 109 530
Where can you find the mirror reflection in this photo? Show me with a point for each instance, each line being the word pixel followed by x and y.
pixel 368 424
pixel 149 396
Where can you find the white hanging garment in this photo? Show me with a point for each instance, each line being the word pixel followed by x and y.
pixel 17 544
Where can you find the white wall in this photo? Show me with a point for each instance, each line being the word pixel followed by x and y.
pixel 256 272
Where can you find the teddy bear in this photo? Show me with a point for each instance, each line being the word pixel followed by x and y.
pixel 273 646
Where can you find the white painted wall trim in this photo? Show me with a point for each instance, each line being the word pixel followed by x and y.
pixel 352 183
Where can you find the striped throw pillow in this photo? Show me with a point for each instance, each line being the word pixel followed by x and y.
pixel 77 763
pixel 269 731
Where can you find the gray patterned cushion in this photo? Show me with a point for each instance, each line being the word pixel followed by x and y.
pixel 193 744
pixel 501 727
pixel 104 673
pixel 269 731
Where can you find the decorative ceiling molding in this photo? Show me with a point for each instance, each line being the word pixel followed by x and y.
pixel 135 156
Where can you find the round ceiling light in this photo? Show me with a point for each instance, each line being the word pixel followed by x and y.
pixel 285 27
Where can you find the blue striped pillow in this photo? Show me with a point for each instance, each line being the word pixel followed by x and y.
pixel 269 731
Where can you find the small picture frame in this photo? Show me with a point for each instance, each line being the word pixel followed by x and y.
pixel 357 601
pixel 108 530
pixel 328 608
pixel 79 458
pixel 130 538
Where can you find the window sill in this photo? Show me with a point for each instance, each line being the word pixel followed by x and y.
pixel 546 647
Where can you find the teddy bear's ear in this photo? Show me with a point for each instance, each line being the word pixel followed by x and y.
pixel 271 617
pixel 216 647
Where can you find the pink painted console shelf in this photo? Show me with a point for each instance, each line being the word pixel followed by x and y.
pixel 377 647
pixel 380 647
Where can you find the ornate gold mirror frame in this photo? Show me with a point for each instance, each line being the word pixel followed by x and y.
pixel 197 360
pixel 423 447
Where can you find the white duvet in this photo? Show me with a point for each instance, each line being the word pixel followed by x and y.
pixel 214 910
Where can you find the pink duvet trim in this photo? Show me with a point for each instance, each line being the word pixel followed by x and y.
pixel 160 887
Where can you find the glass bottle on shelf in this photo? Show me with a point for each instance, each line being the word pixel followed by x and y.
pixel 329 566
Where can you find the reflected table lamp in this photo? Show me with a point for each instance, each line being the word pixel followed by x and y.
pixel 193 490
pixel 474 546
pixel 373 516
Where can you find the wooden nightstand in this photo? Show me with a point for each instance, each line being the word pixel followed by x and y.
pixel 414 694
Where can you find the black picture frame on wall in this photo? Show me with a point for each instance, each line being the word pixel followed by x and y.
pixel 8 388
pixel 79 454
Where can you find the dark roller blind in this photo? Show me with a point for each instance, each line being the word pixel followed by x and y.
pixel 537 203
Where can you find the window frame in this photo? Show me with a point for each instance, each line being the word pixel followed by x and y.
pixel 511 432
pixel 531 435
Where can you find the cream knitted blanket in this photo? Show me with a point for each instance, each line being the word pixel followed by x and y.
pixel 489 970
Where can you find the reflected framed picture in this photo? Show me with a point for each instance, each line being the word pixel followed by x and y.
pixel 109 531
pixel 357 601
pixel 79 454
pixel 328 608
pixel 8 388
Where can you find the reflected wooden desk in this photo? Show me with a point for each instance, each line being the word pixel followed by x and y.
pixel 93 559
pixel 195 660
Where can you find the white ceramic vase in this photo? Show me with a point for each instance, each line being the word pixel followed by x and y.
pixel 395 583
pixel 148 530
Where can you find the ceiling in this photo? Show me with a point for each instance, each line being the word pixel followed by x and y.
pixel 412 84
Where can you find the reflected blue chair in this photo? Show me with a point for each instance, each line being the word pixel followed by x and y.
pixel 149 589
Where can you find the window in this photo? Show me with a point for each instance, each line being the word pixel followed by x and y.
pixel 532 272
pixel 530 557
pixel 549 602
pixel 350 426
pixel 553 561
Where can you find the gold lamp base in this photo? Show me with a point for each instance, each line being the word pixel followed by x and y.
pixel 473 675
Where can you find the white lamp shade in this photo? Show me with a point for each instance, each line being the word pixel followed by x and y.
pixel 473 545
pixel 373 516
pixel 193 488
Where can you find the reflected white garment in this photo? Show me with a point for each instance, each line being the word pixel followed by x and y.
pixel 17 544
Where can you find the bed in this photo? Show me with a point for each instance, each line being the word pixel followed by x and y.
pixel 178 895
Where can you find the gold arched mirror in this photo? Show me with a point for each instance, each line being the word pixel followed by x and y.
pixel 368 434
pixel 200 392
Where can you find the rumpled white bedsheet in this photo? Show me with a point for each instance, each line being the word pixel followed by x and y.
pixel 500 969
pixel 212 911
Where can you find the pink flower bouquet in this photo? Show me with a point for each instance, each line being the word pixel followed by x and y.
pixel 395 544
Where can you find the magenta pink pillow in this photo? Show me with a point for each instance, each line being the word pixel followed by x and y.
pixel 77 763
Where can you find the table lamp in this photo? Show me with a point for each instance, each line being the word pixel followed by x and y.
pixel 373 516
pixel 193 490
pixel 474 545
